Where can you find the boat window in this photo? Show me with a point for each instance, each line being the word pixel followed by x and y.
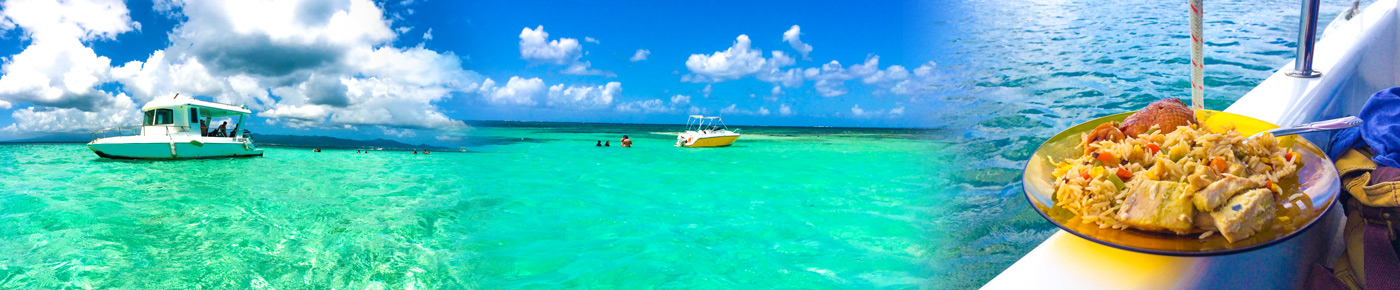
pixel 164 116
pixel 150 116
pixel 194 116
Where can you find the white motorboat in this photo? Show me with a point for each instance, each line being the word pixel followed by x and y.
pixel 178 128
pixel 704 131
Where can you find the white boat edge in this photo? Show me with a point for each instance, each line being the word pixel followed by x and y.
pixel 1356 58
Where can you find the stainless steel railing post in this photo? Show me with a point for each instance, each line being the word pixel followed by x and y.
pixel 1307 37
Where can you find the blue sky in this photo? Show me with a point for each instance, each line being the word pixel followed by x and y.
pixel 420 70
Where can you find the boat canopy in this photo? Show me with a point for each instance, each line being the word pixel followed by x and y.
pixel 210 109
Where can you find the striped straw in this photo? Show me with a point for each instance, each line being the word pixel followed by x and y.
pixel 1198 85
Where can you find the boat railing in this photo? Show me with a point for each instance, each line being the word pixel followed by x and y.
pixel 136 130
pixel 116 132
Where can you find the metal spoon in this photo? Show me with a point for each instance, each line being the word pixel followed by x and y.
pixel 1326 125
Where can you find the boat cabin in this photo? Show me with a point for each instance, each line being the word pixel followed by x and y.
pixel 188 115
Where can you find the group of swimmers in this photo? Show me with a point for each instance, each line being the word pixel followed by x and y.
pixel 415 151
pixel 626 142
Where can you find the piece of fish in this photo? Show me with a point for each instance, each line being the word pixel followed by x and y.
pixel 1163 206
pixel 1166 114
pixel 1245 215
pixel 1106 131
pixel 1220 191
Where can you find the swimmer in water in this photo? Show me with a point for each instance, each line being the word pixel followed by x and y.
pixel 626 142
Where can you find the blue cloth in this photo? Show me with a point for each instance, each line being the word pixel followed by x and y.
pixel 1381 130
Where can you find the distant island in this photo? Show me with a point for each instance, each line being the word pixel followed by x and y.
pixel 325 142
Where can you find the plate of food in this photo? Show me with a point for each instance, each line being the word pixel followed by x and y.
pixel 1170 180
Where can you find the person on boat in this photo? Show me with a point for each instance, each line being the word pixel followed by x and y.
pixel 220 132
pixel 626 142
pixel 600 143
pixel 607 144
pixel 204 128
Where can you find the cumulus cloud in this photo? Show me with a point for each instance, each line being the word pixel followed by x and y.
pixel 517 91
pixel 831 77
pixel 57 69
pixel 535 46
pixel 733 109
pixel 707 90
pixel 792 36
pixel 584 97
pixel 785 110
pixel 589 39
pixel 640 55
pixel 645 106
pixel 680 100
pixel 738 61
pixel 863 113
pixel 428 35
pixel 312 63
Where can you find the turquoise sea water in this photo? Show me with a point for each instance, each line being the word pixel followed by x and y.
pixel 538 206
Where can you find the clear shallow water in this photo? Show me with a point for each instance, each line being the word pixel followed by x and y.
pixel 783 208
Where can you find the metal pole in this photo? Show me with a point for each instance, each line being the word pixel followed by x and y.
pixel 1307 35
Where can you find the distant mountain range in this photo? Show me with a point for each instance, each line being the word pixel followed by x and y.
pixel 266 140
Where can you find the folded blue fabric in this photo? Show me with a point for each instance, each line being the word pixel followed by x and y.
pixel 1381 130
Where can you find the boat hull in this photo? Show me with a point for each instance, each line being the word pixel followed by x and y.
pixel 715 141
pixel 189 149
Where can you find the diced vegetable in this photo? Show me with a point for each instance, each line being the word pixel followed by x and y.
pixel 1178 152
pixel 1123 173
pixel 1084 174
pixel 1153 148
pixel 1116 181
pixel 1096 171
pixel 1219 164
pixel 1292 157
pixel 1106 157
pixel 1273 186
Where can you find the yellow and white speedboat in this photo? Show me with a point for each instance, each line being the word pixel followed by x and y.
pixel 704 131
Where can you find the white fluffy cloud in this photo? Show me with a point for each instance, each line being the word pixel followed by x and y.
pixel 785 110
pixel 863 113
pixel 310 62
pixel 640 55
pixel 830 79
pixel 584 97
pixel 645 106
pixel 733 109
pixel 738 61
pixel 57 72
pixel 535 46
pixel 793 37
pixel 680 100
pixel 517 91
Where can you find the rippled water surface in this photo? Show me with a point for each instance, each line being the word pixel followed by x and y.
pixel 539 207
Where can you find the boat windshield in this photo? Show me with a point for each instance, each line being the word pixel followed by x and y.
pixel 159 117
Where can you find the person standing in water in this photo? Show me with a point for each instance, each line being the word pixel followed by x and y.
pixel 607 144
pixel 600 143
pixel 626 142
